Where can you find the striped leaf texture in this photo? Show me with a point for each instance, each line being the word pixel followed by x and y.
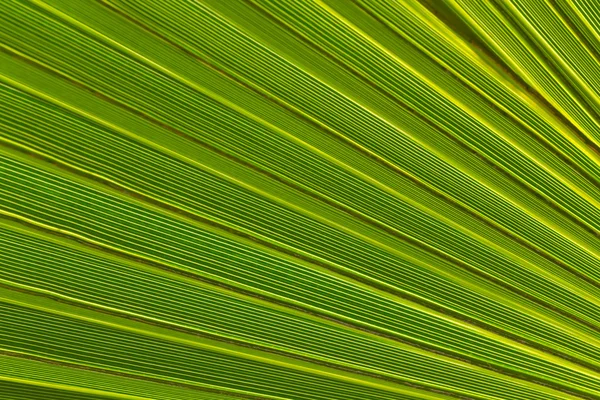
pixel 300 199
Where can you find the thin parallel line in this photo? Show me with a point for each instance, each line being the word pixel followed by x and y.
pixel 473 116
pixel 535 91
pixel 194 332
pixel 552 57
pixel 406 296
pixel 370 329
pixel 537 195
pixel 69 388
pixel 487 327
pixel 9 353
pixel 544 198
pixel 472 86
pixel 374 157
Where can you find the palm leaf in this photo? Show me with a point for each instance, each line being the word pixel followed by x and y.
pixel 295 199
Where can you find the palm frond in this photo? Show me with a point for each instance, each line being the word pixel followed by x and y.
pixel 295 199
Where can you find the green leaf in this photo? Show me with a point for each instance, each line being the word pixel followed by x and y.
pixel 294 199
